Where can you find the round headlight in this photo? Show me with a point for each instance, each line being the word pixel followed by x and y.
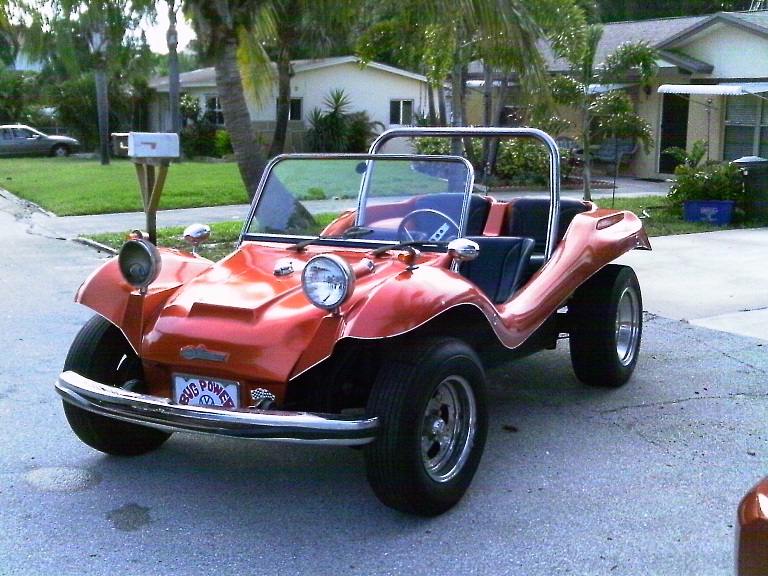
pixel 327 281
pixel 139 263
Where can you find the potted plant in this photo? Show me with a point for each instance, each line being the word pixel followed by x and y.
pixel 706 191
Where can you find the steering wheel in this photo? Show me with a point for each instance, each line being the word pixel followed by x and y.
pixel 442 225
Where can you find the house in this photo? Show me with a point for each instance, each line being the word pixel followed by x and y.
pixel 712 85
pixel 391 96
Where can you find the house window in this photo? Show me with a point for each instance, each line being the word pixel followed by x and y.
pixel 746 127
pixel 401 112
pixel 294 109
pixel 213 110
pixel 295 112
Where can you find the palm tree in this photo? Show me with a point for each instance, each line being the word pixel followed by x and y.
pixel 103 23
pixel 448 34
pixel 308 28
pixel 229 31
pixel 612 111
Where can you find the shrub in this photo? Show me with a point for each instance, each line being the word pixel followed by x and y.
pixel 521 161
pixel 711 181
pixel 198 139
pixel 361 131
pixel 222 144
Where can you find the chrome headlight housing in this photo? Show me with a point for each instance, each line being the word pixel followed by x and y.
pixel 327 281
pixel 139 263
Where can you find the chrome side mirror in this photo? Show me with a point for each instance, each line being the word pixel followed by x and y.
pixel 463 249
pixel 196 234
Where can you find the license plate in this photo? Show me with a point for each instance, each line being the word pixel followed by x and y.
pixel 201 391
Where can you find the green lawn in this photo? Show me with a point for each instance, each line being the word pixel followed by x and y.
pixel 75 186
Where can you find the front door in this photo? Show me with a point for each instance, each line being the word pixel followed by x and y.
pixel 674 129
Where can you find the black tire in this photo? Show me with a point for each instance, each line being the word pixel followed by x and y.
pixel 101 352
pixel 434 420
pixel 606 319
pixel 60 151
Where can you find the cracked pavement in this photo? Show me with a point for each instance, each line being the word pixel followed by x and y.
pixel 644 479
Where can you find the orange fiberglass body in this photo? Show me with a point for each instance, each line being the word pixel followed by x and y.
pixel 752 532
pixel 347 266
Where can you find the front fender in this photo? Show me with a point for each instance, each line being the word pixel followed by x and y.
pixel 107 293
pixel 408 300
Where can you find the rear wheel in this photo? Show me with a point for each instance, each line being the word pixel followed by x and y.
pixel 101 352
pixel 434 420
pixel 606 318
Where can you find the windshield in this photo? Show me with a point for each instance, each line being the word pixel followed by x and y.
pixel 369 198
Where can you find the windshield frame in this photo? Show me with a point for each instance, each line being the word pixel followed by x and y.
pixel 362 196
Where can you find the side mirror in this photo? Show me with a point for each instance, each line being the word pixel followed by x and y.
pixel 196 234
pixel 463 249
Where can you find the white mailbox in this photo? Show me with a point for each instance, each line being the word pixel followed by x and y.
pixel 153 145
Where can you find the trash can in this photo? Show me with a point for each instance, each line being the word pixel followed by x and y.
pixel 754 170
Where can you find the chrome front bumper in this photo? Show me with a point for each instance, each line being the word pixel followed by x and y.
pixel 160 413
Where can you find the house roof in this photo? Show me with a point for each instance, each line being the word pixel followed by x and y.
pixel 206 77
pixel 668 35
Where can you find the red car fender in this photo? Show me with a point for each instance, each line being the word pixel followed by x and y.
pixel 408 300
pixel 752 532
pixel 107 293
pixel 593 240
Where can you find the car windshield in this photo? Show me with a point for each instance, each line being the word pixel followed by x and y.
pixel 367 198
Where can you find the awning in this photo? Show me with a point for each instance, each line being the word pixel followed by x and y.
pixel 725 89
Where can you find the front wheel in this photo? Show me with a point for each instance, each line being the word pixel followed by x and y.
pixel 60 151
pixel 606 319
pixel 434 421
pixel 101 352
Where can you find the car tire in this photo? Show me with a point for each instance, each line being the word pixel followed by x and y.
pixel 101 352
pixel 606 320
pixel 60 151
pixel 432 408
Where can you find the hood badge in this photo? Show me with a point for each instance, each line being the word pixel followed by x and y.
pixel 201 353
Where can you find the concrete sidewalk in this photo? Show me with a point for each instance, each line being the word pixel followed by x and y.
pixel 70 227
pixel 717 280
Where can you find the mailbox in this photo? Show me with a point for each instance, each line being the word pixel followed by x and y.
pixel 120 143
pixel 153 145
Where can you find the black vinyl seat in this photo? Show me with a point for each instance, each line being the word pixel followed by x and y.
pixel 528 217
pixel 501 267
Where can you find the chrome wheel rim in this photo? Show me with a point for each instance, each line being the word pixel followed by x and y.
pixel 628 318
pixel 448 429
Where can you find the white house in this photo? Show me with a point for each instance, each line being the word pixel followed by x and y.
pixel 391 96
pixel 702 61
pixel 712 85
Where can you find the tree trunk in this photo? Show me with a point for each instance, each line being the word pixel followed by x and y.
pixel 283 102
pixel 498 120
pixel 586 162
pixel 442 115
pixel 173 71
pixel 102 105
pixel 457 103
pixel 250 159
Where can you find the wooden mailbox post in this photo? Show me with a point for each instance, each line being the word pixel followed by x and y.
pixel 151 153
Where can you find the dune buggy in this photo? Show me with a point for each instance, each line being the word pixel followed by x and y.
pixel 365 301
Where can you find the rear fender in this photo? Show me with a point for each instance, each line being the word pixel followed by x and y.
pixel 594 239
pixel 107 293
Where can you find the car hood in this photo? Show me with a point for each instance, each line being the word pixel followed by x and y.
pixel 62 139
pixel 251 310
